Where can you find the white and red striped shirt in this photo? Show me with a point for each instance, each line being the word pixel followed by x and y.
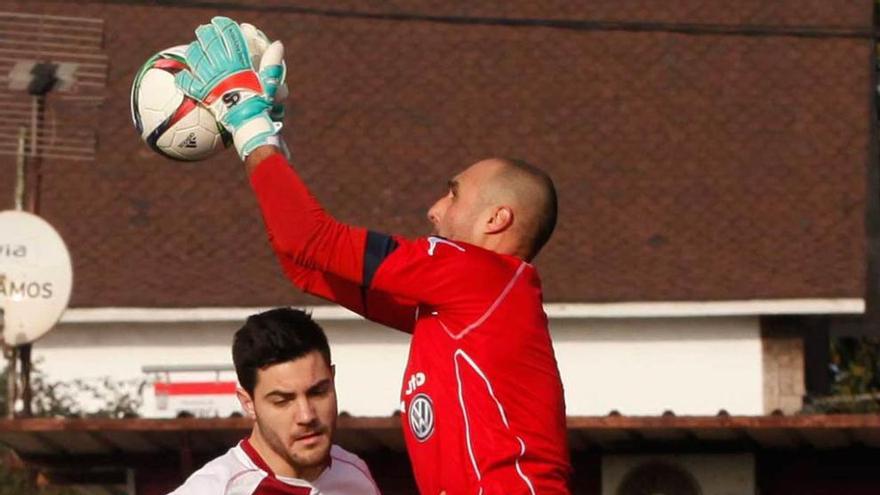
pixel 241 471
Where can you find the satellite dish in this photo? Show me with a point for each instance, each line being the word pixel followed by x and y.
pixel 35 276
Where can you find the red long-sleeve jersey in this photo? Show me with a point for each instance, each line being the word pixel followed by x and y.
pixel 482 401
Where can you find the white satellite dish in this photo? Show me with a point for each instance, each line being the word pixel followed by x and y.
pixel 35 276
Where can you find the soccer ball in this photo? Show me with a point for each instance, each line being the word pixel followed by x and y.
pixel 170 122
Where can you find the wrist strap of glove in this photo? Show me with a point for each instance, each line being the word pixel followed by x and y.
pixel 257 131
pixel 247 120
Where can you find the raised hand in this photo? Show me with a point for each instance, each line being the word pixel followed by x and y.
pixel 221 76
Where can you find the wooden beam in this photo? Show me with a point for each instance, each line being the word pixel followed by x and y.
pixel 393 423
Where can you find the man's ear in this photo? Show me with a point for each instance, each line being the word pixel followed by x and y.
pixel 501 220
pixel 247 403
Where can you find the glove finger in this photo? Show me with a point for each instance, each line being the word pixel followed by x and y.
pixel 206 37
pixel 257 43
pixel 233 40
pixel 274 55
pixel 252 32
pixel 196 58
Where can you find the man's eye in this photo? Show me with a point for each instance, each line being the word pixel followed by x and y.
pixel 319 392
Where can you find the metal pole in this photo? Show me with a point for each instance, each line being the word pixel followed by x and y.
pixel 20 170
pixel 33 206
pixel 10 374
pixel 35 111
pixel 34 166
pixel 24 353
pixel 11 354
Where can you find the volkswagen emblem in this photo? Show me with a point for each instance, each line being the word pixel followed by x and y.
pixel 421 417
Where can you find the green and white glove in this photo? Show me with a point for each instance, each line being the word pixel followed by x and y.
pixel 272 75
pixel 222 78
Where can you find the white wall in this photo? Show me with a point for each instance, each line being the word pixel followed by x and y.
pixel 647 366
pixel 636 366
pixel 369 359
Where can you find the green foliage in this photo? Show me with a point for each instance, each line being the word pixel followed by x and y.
pixel 117 398
pixel 99 398
pixel 114 399
pixel 855 371
pixel 855 365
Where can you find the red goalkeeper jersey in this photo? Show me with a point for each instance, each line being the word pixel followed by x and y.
pixel 482 402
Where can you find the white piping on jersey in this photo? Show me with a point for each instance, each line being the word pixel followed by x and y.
pixel 433 241
pixel 467 430
pixel 467 427
pixel 491 309
pixel 522 452
pixel 239 475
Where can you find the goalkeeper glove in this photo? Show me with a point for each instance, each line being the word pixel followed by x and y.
pixel 271 74
pixel 222 78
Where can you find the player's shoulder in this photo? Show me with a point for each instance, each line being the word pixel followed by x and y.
pixel 216 475
pixel 346 460
pixel 441 248
pixel 347 469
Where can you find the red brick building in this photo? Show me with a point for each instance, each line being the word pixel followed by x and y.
pixel 717 175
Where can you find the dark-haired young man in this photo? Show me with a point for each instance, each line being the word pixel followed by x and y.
pixel 482 400
pixel 282 360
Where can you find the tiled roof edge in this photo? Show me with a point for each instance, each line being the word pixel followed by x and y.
pixel 554 310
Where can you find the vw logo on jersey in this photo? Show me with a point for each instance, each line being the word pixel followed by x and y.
pixel 421 417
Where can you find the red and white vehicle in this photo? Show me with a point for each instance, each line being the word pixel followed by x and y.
pixel 204 391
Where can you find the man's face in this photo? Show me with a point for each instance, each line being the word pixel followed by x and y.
pixel 456 215
pixel 295 407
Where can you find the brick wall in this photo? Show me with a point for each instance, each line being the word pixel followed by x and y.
pixel 782 341
pixel 701 153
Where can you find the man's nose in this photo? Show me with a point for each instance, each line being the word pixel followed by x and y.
pixel 305 412
pixel 435 211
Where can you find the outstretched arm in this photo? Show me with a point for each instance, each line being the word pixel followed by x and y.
pixel 298 226
pixel 221 76
pixel 308 241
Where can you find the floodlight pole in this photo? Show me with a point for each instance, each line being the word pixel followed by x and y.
pixel 10 352
pixel 34 172
pixel 33 179
pixel 24 353
pixel 28 183
pixel 34 185
pixel 20 170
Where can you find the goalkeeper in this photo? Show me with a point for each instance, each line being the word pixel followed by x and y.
pixel 483 407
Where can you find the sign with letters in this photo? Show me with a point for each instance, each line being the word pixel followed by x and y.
pixel 35 276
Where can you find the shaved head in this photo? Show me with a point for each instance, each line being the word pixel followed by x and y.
pixel 530 191
pixel 501 204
